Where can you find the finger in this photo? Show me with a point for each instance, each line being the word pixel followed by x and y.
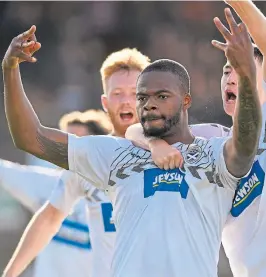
pixel 244 30
pixel 231 21
pixel 166 163
pixel 23 56
pixel 222 29
pixel 179 161
pixel 158 164
pixel 35 48
pixel 28 33
pixel 33 37
pixel 181 165
pixel 27 44
pixel 172 162
pixel 220 45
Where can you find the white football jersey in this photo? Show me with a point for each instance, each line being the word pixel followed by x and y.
pixel 244 232
pixel 69 253
pixel 209 130
pixel 169 223
pixel 70 189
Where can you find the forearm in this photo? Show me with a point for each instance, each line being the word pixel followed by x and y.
pixel 22 120
pixel 135 134
pixel 247 117
pixel 254 20
pixel 37 235
pixel 27 132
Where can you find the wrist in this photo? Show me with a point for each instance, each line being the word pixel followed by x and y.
pixel 6 64
pixel 247 71
pixel 154 142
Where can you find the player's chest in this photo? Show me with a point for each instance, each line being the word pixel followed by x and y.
pixel 137 175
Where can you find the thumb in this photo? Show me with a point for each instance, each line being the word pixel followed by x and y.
pixel 219 45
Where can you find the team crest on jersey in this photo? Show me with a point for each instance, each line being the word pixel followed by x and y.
pixel 193 154
pixel 156 179
pixel 249 188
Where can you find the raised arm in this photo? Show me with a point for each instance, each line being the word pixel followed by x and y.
pixel 240 150
pixel 39 232
pixel 26 130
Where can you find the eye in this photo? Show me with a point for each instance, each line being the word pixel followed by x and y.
pixel 163 97
pixel 141 98
pixel 227 72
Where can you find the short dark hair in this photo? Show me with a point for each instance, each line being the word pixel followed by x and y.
pixel 257 54
pixel 166 65
pixel 93 127
pixel 96 121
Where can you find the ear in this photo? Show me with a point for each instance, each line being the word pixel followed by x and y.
pixel 104 101
pixel 187 101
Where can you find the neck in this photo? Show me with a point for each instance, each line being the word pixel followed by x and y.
pixel 183 135
pixel 116 133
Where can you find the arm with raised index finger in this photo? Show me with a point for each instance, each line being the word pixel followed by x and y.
pixel 26 130
pixel 240 150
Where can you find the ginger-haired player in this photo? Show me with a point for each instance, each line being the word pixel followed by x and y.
pixel 119 74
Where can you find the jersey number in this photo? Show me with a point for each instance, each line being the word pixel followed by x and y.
pixel 107 210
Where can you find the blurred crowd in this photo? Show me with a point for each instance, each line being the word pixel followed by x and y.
pixel 77 36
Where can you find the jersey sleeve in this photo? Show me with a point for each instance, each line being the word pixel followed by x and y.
pixel 91 157
pixel 68 191
pixel 29 185
pixel 209 130
pixel 264 86
pixel 223 176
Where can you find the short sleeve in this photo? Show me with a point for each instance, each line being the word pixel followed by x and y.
pixel 91 157
pixel 224 177
pixel 209 130
pixel 30 185
pixel 264 85
pixel 68 191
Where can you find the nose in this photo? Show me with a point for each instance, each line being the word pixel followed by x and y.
pixel 231 80
pixel 128 99
pixel 150 105
pixel 125 99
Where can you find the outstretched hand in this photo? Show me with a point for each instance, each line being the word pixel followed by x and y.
pixel 238 48
pixel 21 49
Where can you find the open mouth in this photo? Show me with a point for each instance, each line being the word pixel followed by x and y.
pixel 126 116
pixel 230 97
